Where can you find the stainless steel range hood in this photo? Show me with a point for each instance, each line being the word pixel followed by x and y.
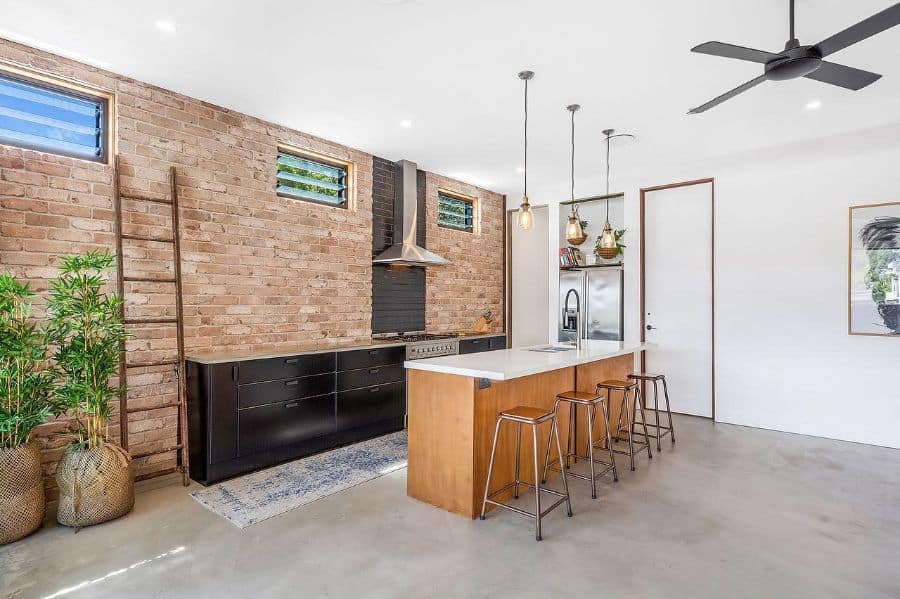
pixel 404 251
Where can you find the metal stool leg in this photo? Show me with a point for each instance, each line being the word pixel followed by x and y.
pixel 550 443
pixel 639 403
pixel 668 410
pixel 537 487
pixel 592 414
pixel 656 410
pixel 518 459
pixel 609 448
pixel 630 418
pixel 572 437
pixel 555 428
pixel 623 414
pixel 487 485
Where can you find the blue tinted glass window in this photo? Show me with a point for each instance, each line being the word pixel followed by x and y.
pixel 41 117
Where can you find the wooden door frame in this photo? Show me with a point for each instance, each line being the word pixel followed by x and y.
pixel 712 249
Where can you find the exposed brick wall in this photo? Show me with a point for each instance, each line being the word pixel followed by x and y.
pixel 259 271
pixel 457 294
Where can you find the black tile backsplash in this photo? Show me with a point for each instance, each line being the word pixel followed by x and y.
pixel 398 293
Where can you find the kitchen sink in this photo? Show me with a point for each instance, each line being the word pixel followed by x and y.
pixel 552 349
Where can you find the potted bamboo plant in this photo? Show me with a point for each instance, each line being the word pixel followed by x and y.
pixel 26 392
pixel 96 483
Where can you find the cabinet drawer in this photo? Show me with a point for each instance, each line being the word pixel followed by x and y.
pixel 373 356
pixel 471 346
pixel 258 394
pixel 284 423
pixel 498 342
pixel 366 377
pixel 362 407
pixel 268 369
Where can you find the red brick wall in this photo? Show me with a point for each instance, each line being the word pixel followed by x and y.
pixel 456 295
pixel 259 271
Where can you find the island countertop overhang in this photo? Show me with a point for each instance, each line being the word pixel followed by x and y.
pixel 506 364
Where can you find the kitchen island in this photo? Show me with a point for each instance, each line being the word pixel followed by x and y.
pixel 452 407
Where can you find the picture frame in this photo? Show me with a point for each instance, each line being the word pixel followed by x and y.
pixel 873 270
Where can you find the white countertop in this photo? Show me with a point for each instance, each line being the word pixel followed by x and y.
pixel 505 364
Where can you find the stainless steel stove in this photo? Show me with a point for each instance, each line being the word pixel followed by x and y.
pixel 424 345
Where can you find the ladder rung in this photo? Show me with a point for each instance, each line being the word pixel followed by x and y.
pixel 144 454
pixel 150 409
pixel 147 238
pixel 147 280
pixel 145 199
pixel 149 364
pixel 151 320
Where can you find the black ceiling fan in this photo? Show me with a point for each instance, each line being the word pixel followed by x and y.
pixel 804 61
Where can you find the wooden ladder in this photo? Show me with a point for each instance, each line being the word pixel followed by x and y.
pixel 177 321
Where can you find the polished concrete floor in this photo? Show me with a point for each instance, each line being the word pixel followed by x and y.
pixel 730 512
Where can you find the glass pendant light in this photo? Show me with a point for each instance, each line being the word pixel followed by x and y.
pixel 574 232
pixel 608 244
pixel 525 217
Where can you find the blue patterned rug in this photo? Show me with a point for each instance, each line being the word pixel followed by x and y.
pixel 256 497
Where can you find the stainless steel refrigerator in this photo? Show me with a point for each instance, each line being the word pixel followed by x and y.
pixel 601 298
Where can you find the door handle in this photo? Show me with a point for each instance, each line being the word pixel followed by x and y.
pixel 650 327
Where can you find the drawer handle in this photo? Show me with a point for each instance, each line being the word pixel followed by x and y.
pixel 374 370
pixel 372 352
pixel 292 404
pixel 374 389
pixel 292 360
pixel 291 383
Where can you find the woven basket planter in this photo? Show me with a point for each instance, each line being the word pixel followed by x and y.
pixel 607 253
pixel 95 485
pixel 21 492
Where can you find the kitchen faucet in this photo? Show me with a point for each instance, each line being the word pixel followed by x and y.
pixel 572 319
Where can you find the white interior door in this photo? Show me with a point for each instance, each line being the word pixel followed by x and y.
pixel 529 279
pixel 678 293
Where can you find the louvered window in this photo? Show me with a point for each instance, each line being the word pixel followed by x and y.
pixel 44 117
pixel 456 212
pixel 305 178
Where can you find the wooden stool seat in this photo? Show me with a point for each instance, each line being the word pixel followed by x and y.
pixel 527 414
pixel 579 397
pixel 617 384
pixel 646 376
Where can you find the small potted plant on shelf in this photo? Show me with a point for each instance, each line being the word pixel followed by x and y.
pixel 26 393
pixel 609 253
pixel 95 478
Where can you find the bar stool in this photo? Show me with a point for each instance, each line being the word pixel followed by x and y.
pixel 654 378
pixel 630 422
pixel 532 417
pixel 590 401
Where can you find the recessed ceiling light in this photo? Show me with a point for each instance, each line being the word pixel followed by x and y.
pixel 814 105
pixel 406 123
pixel 166 26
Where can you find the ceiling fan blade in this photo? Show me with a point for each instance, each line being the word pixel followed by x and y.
pixel 862 30
pixel 838 74
pixel 728 95
pixel 732 51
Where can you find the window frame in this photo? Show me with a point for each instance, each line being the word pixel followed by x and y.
pixel 83 91
pixel 455 195
pixel 305 154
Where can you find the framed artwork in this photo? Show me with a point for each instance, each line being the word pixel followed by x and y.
pixel 874 270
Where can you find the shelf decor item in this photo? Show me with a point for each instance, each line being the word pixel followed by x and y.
pixel 874 270
pixel 26 393
pixel 95 478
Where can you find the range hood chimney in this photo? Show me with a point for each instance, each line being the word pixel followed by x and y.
pixel 404 251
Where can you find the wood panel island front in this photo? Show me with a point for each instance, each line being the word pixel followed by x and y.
pixel 453 403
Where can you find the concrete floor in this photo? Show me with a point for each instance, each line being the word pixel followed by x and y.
pixel 731 512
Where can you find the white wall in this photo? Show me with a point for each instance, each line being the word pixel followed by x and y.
pixel 784 358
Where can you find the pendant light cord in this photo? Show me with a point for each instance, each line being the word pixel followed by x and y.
pixel 607 177
pixel 573 157
pixel 792 18
pixel 525 191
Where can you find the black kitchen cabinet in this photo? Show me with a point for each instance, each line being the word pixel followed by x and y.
pixel 480 344
pixel 250 414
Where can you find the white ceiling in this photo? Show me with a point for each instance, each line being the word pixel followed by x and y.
pixel 350 71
